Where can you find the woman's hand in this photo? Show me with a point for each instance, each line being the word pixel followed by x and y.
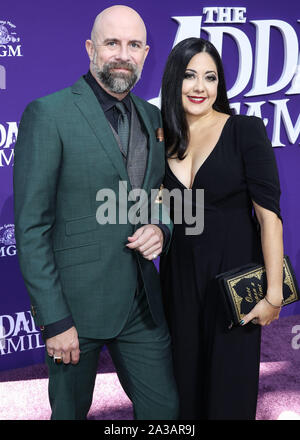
pixel 263 314
pixel 148 240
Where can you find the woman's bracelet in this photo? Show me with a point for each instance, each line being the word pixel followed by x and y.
pixel 275 307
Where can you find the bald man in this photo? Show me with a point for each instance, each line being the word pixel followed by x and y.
pixel 92 282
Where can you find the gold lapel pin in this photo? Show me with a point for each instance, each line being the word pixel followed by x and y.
pixel 160 134
pixel 159 197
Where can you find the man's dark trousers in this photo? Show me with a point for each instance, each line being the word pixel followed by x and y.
pixel 141 355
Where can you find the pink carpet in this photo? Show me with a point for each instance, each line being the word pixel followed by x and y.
pixel 23 392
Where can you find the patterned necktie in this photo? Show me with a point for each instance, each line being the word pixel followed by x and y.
pixel 123 127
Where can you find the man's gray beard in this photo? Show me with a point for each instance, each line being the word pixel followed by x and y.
pixel 118 82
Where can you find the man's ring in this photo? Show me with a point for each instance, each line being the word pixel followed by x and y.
pixel 154 256
pixel 57 359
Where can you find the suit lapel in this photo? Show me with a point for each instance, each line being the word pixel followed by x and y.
pixel 89 106
pixel 147 123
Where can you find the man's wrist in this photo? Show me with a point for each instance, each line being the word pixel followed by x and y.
pixel 51 330
pixel 166 233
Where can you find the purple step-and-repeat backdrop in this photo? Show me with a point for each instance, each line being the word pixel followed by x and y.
pixel 42 50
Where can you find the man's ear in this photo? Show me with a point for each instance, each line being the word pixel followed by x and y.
pixel 89 46
pixel 147 48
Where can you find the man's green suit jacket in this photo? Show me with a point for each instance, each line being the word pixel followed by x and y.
pixel 65 153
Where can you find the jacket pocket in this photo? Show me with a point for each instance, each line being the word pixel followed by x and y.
pixel 81 225
pixel 77 255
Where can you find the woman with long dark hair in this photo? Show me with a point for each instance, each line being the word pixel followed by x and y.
pixel 231 159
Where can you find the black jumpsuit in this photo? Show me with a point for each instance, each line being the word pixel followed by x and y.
pixel 217 369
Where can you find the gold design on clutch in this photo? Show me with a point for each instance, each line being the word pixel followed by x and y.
pixel 253 295
pixel 288 280
pixel 255 292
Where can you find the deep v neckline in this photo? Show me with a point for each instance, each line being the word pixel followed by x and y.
pixel 206 159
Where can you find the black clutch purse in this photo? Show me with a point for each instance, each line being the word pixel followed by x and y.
pixel 243 287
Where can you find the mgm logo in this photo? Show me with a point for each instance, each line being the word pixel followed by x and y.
pixel 7 241
pixel 9 40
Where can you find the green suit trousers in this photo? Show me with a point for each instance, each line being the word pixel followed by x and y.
pixel 143 361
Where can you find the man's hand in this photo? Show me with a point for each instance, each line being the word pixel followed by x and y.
pixel 148 240
pixel 66 345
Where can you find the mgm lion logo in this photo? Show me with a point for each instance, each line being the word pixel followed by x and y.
pixel 7 235
pixel 5 36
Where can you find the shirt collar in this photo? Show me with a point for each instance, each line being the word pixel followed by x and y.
pixel 106 100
